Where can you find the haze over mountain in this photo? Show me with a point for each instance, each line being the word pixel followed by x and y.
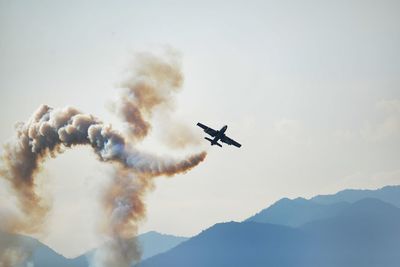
pixel 347 229
pixel 364 234
pixel 235 244
pixel 42 255
pixel 389 194
pixel 151 243
pixel 295 212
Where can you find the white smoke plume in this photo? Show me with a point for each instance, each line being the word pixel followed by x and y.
pixel 50 131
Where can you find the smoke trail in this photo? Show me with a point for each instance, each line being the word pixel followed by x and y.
pixel 50 131
pixel 151 87
pixel 124 209
pixel 152 84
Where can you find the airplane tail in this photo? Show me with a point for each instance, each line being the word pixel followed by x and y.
pixel 212 142
pixel 218 144
pixel 209 139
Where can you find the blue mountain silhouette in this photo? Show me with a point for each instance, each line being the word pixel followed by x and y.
pixel 352 228
pixel 365 234
pixel 389 194
pixel 297 212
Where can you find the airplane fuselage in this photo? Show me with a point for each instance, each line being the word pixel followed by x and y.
pixel 219 135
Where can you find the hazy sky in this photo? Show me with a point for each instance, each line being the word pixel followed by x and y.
pixel 310 88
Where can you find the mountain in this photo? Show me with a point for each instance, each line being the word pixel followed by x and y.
pixel 42 255
pixel 364 234
pixel 235 244
pixel 297 212
pixel 152 243
pixel 352 228
pixel 389 194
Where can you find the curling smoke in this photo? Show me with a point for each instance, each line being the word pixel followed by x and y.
pixel 50 131
pixel 152 87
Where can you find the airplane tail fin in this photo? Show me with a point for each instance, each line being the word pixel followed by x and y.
pixel 212 143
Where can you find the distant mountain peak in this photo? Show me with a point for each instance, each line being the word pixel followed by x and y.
pixel 362 233
pixel 155 233
pixel 389 194
pixel 295 212
pixel 298 211
pixel 373 204
pixel 360 221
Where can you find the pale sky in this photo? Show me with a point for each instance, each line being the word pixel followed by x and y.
pixel 310 88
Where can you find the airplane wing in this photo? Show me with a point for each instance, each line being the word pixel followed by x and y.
pixel 207 130
pixel 225 139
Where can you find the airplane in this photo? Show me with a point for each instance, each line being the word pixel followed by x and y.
pixel 218 135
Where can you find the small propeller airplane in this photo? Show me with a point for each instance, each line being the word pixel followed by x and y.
pixel 218 135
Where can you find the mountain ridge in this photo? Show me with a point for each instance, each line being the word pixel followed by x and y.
pixel 297 211
pixel 290 231
pixel 389 194
pixel 359 236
